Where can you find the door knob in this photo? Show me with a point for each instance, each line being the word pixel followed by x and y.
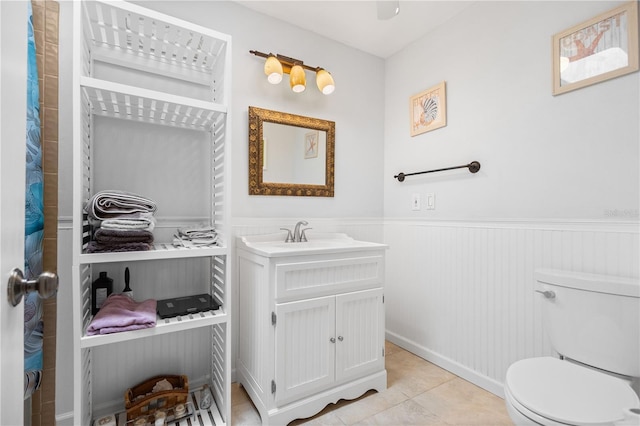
pixel 46 285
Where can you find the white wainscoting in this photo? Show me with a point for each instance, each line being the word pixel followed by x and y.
pixel 458 293
pixel 461 294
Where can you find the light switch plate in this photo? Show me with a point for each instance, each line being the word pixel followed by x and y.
pixel 431 201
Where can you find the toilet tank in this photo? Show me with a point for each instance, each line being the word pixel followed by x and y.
pixel 593 319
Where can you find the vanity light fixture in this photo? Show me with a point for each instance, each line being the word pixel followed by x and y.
pixel 297 79
pixel 324 81
pixel 273 70
pixel 276 65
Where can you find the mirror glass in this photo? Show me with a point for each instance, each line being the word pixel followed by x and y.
pixel 290 154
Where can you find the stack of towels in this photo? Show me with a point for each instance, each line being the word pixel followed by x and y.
pixel 124 222
pixel 195 236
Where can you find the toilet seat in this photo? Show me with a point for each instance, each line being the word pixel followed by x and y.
pixel 521 416
pixel 566 393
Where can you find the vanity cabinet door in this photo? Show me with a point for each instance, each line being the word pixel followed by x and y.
pixel 305 348
pixel 359 334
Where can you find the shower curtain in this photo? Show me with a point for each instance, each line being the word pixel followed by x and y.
pixel 34 223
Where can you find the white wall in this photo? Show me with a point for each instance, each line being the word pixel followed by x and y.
pixel 558 187
pixel 356 107
pixel 570 156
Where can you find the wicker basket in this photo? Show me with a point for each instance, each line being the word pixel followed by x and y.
pixel 161 400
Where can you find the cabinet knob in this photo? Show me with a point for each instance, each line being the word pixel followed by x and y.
pixel 548 293
pixel 332 340
pixel 340 338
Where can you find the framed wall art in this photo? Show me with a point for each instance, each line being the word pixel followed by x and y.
pixel 596 50
pixel 428 109
pixel 311 144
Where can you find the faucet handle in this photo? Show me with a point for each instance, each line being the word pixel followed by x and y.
pixel 289 238
pixel 303 236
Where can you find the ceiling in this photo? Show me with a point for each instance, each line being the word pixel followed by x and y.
pixel 355 23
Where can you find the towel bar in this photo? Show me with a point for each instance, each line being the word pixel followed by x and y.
pixel 473 167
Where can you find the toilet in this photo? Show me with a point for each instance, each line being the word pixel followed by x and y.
pixel 593 323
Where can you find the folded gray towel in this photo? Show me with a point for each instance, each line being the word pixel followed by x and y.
pixel 116 236
pixel 96 247
pixel 112 203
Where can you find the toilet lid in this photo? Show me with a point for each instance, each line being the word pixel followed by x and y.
pixel 567 393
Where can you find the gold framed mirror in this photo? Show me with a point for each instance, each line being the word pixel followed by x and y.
pixel 290 154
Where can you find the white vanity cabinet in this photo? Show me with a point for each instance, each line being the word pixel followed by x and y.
pixel 311 325
pixel 327 340
pixel 150 117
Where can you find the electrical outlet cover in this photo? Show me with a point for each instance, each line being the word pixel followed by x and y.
pixel 415 201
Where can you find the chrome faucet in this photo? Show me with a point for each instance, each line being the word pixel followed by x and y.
pixel 289 238
pixel 297 235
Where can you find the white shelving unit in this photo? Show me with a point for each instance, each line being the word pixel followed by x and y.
pixel 151 116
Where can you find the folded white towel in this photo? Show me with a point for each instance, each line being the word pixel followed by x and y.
pixel 194 236
pixel 113 203
pixel 143 221
pixel 183 242
pixel 200 231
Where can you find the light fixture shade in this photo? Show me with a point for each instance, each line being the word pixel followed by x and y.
pixel 273 70
pixel 297 79
pixel 325 83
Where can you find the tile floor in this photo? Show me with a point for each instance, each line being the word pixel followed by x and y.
pixel 418 393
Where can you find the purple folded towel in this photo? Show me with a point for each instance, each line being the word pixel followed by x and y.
pixel 121 313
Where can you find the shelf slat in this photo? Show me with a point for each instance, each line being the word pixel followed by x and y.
pixel 156 34
pixel 122 101
pixel 160 251
pixel 163 326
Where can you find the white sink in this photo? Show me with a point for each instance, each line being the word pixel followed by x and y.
pixel 273 245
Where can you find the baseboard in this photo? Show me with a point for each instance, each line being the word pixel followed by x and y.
pixel 65 419
pixel 454 367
